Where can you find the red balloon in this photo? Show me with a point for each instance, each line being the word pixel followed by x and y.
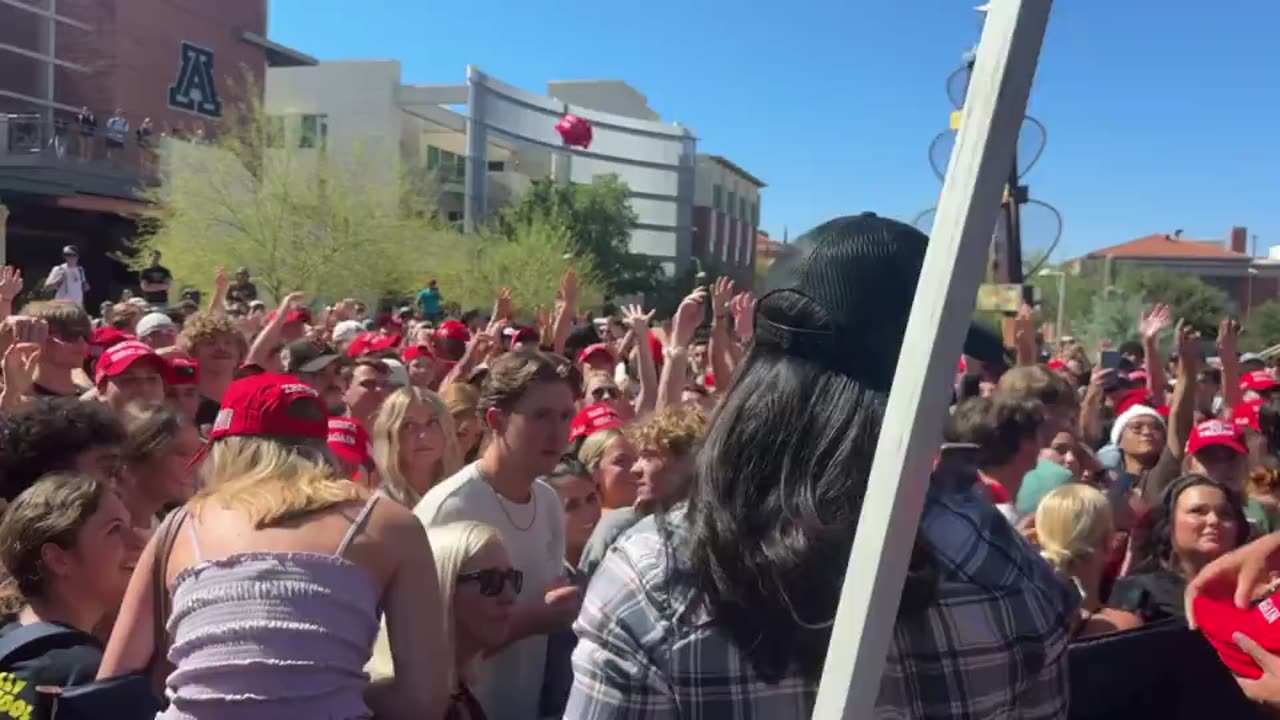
pixel 575 131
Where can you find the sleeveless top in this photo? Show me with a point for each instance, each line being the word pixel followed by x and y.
pixel 272 635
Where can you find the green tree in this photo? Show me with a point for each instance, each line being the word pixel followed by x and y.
pixel 1080 290
pixel 1112 319
pixel 1191 298
pixel 531 261
pixel 601 220
pixel 332 222
pixel 1263 328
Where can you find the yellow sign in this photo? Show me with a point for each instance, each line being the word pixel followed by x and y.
pixel 996 297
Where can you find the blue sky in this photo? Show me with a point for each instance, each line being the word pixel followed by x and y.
pixel 1160 115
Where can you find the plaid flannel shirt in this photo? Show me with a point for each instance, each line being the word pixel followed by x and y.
pixel 991 647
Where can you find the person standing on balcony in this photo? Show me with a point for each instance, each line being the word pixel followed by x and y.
pixel 155 280
pixel 117 132
pixel 88 127
pixel 68 280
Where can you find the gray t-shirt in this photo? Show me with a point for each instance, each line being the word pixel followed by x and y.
pixel 511 681
pixel 611 527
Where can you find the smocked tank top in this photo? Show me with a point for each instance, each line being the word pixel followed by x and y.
pixel 272 635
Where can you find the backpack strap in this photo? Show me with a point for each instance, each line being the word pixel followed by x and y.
pixel 14 643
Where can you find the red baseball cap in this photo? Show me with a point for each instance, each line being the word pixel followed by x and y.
pixel 121 356
pixel 454 330
pixel 1129 398
pixel 1245 415
pixel 371 342
pixel 597 349
pixel 107 336
pixel 272 404
pixel 181 369
pixel 1259 381
pixel 350 441
pixel 592 419
pixel 413 352
pixel 294 316
pixel 1219 619
pixel 1216 432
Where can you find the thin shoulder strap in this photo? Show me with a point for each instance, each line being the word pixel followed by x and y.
pixel 195 540
pixel 166 534
pixel 357 525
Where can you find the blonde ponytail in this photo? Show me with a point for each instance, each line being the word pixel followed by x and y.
pixel 1072 523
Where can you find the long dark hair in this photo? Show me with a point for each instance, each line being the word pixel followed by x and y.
pixel 1156 551
pixel 781 478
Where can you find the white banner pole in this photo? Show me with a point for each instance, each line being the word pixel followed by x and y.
pixel 953 268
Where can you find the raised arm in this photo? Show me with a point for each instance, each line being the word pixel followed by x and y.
pixel 1229 354
pixel 675 369
pixel 10 286
pixel 1182 413
pixel 1150 325
pixel 270 335
pixel 720 348
pixel 218 303
pixel 566 312
pixel 638 321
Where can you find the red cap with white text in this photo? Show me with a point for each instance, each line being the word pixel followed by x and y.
pixel 1215 432
pixel 1219 619
pixel 121 356
pixel 592 419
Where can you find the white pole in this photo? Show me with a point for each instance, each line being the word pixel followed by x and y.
pixel 940 316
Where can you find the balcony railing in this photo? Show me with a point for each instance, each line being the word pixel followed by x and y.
pixel 30 141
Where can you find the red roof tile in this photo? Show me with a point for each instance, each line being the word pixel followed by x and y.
pixel 1166 246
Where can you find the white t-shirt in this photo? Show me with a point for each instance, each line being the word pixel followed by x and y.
pixel 72 285
pixel 533 533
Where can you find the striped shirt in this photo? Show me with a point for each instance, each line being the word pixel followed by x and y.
pixel 992 645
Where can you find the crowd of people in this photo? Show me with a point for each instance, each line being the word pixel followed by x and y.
pixel 217 509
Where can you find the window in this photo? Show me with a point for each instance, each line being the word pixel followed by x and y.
pixel 315 131
pixel 450 165
pixel 453 216
pixel 742 209
pixel 755 214
pixel 733 204
pixel 497 166
pixel 433 157
pixel 717 197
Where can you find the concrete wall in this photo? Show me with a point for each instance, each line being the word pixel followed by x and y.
pixel 611 96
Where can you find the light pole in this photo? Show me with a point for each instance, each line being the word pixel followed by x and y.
pixel 1062 299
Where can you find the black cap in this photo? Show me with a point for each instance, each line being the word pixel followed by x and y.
pixel 68 250
pixel 848 297
pixel 307 356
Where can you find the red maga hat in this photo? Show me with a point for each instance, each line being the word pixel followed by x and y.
pixel 181 369
pixel 592 419
pixel 1216 432
pixel 454 330
pixel 350 441
pixel 597 349
pixel 268 404
pixel 413 352
pixel 1219 619
pixel 1245 415
pixel 121 356
pixel 107 336
pixel 1259 381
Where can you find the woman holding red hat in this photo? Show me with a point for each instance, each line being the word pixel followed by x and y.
pixel 280 551
pixel 1198 520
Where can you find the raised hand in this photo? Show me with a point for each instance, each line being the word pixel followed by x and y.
pixel 292 301
pixel 10 283
pixel 1228 338
pixel 1188 348
pixel 1024 326
pixel 637 319
pixel 502 305
pixel 570 290
pixel 743 307
pixel 20 363
pixel 687 318
pixel 221 281
pixel 721 295
pixel 1151 324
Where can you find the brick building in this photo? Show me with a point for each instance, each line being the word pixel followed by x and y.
pixel 181 63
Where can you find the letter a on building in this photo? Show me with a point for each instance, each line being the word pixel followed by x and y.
pixel 194 91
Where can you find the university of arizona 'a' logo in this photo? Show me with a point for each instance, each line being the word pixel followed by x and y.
pixel 194 91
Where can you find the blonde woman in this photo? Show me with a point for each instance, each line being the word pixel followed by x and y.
pixel 155 459
pixel 415 444
pixel 1074 529
pixel 278 573
pixel 611 458
pixel 479 589
pixel 463 401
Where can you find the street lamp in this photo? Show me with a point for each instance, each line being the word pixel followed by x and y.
pixel 1062 297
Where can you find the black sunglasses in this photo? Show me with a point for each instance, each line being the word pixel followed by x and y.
pixel 605 392
pixel 492 580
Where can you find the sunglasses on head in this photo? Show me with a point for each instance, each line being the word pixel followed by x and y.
pixel 184 372
pixel 493 580
pixel 605 392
